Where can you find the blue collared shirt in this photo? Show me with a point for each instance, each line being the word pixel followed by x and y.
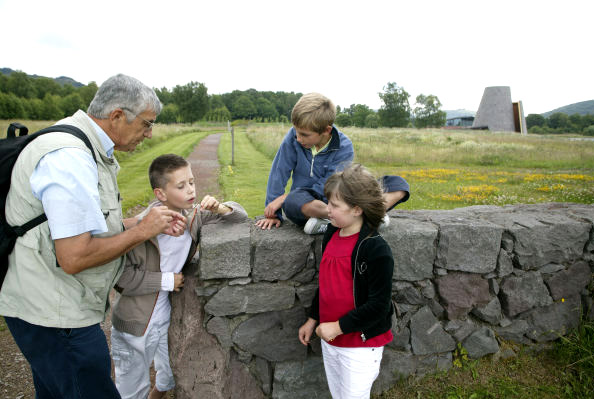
pixel 65 181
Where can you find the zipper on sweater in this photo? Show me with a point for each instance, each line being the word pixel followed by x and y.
pixel 312 163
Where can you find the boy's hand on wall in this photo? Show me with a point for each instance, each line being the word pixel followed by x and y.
pixel 267 223
pixel 273 206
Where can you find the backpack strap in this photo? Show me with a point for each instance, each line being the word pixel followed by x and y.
pixel 10 133
pixel 73 130
pixel 21 230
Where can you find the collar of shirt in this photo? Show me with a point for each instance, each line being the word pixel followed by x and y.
pixel 103 138
pixel 315 151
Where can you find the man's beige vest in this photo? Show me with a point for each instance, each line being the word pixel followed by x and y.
pixel 35 288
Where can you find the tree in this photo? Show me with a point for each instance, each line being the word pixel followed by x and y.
pixel 558 120
pixel 3 83
pixel 216 101
pixel 359 113
pixel 428 113
pixel 11 106
pixel 396 110
pixel 220 114
pixel 50 110
pixel 33 108
pixel 343 120
pixel 168 114
pixel 66 90
pixel 20 85
pixel 71 103
pixel 165 96
pixel 535 120
pixel 87 93
pixel 46 85
pixel 265 109
pixel 192 101
pixel 372 121
pixel 243 108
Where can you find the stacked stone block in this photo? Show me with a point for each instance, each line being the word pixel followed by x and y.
pixel 472 277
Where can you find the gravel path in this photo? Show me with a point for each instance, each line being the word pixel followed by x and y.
pixel 16 381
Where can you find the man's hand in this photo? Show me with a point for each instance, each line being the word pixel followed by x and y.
pixel 161 219
pixel 306 331
pixel 177 227
pixel 178 282
pixel 267 223
pixel 328 331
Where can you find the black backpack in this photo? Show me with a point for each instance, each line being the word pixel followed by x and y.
pixel 10 148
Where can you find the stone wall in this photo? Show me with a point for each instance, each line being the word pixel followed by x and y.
pixel 474 276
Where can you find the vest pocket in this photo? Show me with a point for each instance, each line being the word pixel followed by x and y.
pixel 95 284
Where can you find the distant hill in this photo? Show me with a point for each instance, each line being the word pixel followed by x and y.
pixel 582 108
pixel 61 79
pixel 458 113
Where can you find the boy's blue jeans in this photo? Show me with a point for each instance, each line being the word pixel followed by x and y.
pixel 67 363
pixel 300 196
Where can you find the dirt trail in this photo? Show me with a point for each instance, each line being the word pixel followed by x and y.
pixel 205 166
pixel 16 381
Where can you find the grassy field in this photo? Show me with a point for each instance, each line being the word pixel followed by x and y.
pixel 133 177
pixel 451 169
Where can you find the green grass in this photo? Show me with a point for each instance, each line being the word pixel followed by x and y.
pixel 245 181
pixel 563 370
pixel 133 177
pixel 576 352
pixel 447 169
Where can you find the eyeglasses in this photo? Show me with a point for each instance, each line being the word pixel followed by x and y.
pixel 147 124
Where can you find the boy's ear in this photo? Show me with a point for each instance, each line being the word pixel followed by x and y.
pixel 357 211
pixel 160 194
pixel 328 129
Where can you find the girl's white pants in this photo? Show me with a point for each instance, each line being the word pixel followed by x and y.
pixel 351 371
pixel 132 357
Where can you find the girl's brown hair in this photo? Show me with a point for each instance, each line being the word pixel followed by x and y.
pixel 356 186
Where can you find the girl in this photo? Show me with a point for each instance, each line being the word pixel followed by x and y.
pixel 353 302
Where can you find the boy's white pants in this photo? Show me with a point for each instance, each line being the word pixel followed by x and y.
pixel 132 357
pixel 351 371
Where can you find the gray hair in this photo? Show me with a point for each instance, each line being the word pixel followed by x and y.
pixel 127 93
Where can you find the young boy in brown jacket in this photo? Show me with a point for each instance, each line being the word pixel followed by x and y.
pixel 141 316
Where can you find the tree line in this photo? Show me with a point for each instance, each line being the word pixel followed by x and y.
pixel 40 98
pixel 22 96
pixel 561 123
pixel 395 111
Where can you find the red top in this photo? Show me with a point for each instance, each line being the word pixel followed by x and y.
pixel 336 291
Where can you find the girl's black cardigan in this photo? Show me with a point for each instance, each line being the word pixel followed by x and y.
pixel 372 266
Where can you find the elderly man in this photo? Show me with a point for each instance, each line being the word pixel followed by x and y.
pixel 60 273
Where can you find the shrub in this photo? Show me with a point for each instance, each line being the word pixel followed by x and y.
pixel 589 131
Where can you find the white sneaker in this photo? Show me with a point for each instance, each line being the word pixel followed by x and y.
pixel 316 226
pixel 384 223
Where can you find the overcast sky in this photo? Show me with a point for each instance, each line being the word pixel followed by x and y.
pixel 347 50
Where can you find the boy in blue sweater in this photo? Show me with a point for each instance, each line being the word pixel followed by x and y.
pixel 312 151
